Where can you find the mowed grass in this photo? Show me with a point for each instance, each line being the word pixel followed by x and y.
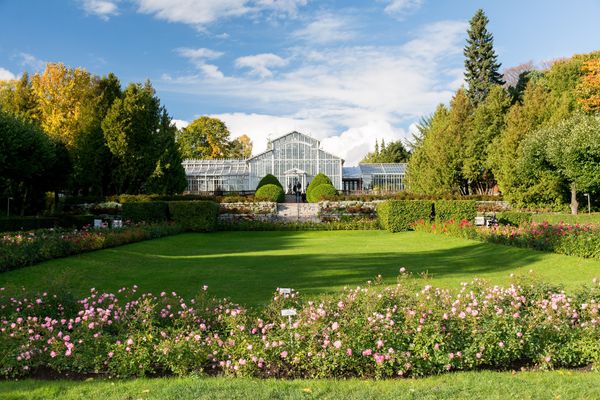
pixel 249 266
pixel 470 385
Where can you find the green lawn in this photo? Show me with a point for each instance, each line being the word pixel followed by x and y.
pixel 471 385
pixel 248 266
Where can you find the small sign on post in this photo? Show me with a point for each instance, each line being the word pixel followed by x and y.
pixel 288 312
pixel 97 223
pixel 285 291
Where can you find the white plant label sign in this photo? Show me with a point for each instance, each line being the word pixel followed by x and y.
pixel 288 312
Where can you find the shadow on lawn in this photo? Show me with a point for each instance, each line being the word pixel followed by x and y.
pixel 248 277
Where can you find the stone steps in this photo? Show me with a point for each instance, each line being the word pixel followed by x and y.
pixel 298 212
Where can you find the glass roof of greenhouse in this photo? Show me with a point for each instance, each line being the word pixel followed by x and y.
pixel 215 167
pixel 382 168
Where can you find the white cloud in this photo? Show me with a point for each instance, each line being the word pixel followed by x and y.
pixel 354 93
pixel 199 56
pixel 32 62
pixel 402 7
pixel 262 127
pixel 6 75
pixel 260 64
pixel 200 13
pixel 327 28
pixel 179 123
pixel 101 8
pixel 200 53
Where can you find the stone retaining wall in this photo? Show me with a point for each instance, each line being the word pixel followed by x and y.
pixel 336 210
pixel 257 211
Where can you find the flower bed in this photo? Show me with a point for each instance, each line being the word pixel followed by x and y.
pixel 21 249
pixel 574 240
pixel 366 332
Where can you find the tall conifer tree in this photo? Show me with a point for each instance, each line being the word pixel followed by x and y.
pixel 481 63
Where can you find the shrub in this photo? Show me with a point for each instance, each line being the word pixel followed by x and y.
pixel 197 216
pixel 320 192
pixel 26 223
pixel 378 331
pixel 270 192
pixel 319 179
pixel 23 249
pixel 572 240
pixel 74 221
pixel 401 215
pixel 146 211
pixel 514 218
pixel 269 180
pixel 581 218
pixel 456 210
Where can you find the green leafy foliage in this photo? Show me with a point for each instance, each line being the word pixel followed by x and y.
pixel 270 192
pixel 539 326
pixel 321 192
pixel 394 152
pixel 457 210
pixel 318 179
pixel 269 179
pixel 146 211
pixel 205 138
pixel 514 218
pixel 401 215
pixel 20 250
pixel 197 216
pixel 481 61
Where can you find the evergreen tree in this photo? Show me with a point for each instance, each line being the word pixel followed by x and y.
pixel 481 63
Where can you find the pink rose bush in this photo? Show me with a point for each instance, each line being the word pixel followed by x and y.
pixel 404 330
pixel 575 240
pixel 20 249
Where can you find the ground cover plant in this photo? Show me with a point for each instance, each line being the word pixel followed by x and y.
pixel 248 266
pixel 370 331
pixel 573 240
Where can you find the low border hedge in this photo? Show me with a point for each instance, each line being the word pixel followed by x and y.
pixel 401 215
pixel 457 210
pixel 197 216
pixel 146 211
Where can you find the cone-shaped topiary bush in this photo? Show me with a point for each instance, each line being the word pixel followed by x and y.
pixel 321 192
pixel 269 180
pixel 270 192
pixel 319 179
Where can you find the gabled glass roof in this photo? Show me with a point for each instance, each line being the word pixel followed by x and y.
pixel 215 167
pixel 382 168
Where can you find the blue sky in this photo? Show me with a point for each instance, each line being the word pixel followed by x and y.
pixel 346 72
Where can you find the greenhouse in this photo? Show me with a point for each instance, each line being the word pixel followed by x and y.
pixel 294 159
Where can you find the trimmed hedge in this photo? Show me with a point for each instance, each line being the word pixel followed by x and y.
pixel 269 179
pixel 318 193
pixel 26 223
pixel 146 211
pixel 457 210
pixel 514 218
pixel 319 179
pixel 197 216
pixel 581 218
pixel 270 192
pixel 129 198
pixel 401 215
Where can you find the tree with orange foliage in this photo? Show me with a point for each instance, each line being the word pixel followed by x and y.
pixel 588 89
